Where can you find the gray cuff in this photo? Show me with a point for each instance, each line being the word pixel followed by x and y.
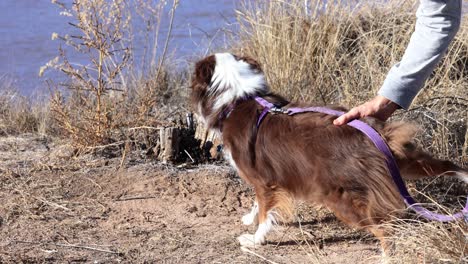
pixel 400 93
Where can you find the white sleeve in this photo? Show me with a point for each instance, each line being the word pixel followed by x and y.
pixel 437 23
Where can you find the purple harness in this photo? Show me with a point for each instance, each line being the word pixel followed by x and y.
pixel 375 137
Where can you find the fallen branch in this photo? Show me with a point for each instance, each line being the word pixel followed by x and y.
pixel 145 127
pixel 51 203
pixel 66 245
pixel 44 201
pixel 245 249
pixel 135 198
pixel 186 152
pixel 106 146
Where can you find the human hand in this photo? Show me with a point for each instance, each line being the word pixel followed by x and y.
pixel 379 107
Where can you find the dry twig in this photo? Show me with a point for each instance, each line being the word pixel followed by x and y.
pixel 67 245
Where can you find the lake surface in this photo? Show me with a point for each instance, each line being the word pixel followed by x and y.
pixel 26 27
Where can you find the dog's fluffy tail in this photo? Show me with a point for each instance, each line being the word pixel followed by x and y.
pixel 413 162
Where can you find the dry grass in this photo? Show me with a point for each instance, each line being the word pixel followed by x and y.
pixel 337 52
pixel 429 242
pixel 323 52
pixel 20 114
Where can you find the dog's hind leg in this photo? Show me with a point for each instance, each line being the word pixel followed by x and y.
pixel 386 246
pixel 357 212
pixel 251 217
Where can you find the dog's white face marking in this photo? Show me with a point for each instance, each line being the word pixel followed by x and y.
pixel 233 79
pixel 251 217
pixel 259 238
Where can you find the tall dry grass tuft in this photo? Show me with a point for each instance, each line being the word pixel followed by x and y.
pixel 324 52
pixel 20 114
pixel 339 52
pixel 429 242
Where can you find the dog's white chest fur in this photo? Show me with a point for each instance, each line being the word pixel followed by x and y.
pixel 228 157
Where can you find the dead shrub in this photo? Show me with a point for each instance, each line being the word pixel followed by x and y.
pixel 110 92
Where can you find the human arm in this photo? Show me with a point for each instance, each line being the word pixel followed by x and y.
pixel 437 23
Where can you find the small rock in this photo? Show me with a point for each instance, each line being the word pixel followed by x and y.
pixel 62 152
pixel 192 209
pixel 201 214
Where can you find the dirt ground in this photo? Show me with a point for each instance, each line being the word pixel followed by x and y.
pixel 57 208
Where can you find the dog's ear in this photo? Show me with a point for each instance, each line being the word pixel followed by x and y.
pixel 253 63
pixel 204 71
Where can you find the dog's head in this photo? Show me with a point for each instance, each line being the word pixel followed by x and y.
pixel 220 80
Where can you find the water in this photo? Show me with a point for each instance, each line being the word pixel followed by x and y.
pixel 26 27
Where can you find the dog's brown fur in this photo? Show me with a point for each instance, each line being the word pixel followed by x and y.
pixel 306 157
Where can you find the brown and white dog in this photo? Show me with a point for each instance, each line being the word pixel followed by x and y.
pixel 303 157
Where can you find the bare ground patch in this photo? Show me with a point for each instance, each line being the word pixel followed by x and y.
pixel 58 208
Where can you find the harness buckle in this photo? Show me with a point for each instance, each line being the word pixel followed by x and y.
pixel 277 110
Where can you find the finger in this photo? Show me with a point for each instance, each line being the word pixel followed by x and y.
pixel 339 121
pixel 352 114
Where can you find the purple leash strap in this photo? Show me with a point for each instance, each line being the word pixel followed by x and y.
pixel 267 106
pixel 379 142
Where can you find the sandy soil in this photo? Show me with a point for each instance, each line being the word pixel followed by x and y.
pixel 58 208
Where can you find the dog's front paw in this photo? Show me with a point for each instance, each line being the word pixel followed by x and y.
pixel 248 240
pixel 248 219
